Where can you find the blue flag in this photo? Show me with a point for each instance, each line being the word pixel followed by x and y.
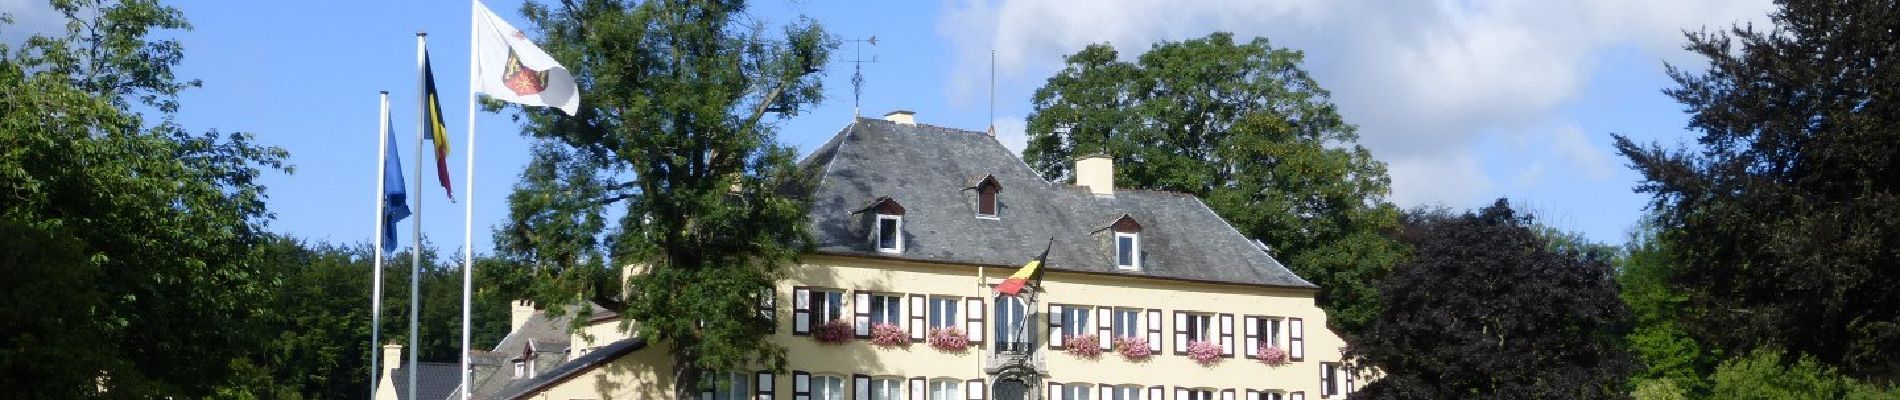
pixel 395 197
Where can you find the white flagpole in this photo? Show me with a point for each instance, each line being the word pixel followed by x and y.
pixel 415 267
pixel 468 205
pixel 376 277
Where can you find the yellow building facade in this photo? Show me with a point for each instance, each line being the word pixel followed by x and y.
pixel 916 225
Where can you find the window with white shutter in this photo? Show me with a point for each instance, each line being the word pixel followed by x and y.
pixel 918 325
pixel 1226 322
pixel 801 311
pixel 1154 331
pixel 974 314
pixel 1103 328
pixel 1296 339
pixel 974 389
pixel 1057 316
pixel 861 314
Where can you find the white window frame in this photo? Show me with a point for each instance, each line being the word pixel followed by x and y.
pixel 887 309
pixel 945 389
pixel 1125 392
pixel 1010 328
pixel 1199 394
pixel 1077 391
pixel 886 388
pixel 731 386
pixel 827 387
pixel 1134 250
pixel 944 313
pixel 877 235
pixel 521 369
pixel 1200 327
pixel 830 309
pixel 1127 322
pixel 1273 331
pixel 1076 321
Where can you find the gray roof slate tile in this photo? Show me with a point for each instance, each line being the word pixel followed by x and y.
pixel 926 169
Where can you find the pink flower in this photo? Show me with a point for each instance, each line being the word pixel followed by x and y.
pixel 889 335
pixel 1085 346
pixel 1204 352
pixel 1133 348
pixel 1272 356
pixel 831 332
pixel 948 339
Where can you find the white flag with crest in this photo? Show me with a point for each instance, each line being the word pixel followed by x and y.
pixel 510 68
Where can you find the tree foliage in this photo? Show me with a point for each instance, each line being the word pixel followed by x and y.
pixel 1783 222
pixel 1484 308
pixel 1243 127
pixel 677 135
pixel 145 234
pixel 1668 359
pixel 1765 374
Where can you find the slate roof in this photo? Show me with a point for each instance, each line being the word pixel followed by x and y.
pixel 926 169
pixel 494 370
pixel 561 373
pixel 435 381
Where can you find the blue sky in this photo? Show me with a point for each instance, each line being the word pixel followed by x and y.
pixel 1465 100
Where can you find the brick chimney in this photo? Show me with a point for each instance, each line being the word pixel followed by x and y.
pixel 1097 172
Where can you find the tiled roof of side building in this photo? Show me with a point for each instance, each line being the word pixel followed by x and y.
pixel 435 381
pixel 495 368
pixel 569 370
pixel 926 169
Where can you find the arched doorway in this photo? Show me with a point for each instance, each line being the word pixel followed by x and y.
pixel 1011 389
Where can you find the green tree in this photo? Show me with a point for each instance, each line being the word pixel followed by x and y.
pixel 1243 127
pixel 1763 375
pixel 161 224
pixel 1485 309
pixel 1783 220
pixel 1667 357
pixel 676 134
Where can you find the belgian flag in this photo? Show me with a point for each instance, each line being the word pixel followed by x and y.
pixel 437 131
pixel 1031 271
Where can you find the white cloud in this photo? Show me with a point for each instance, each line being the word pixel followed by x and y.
pixel 1590 161
pixel 1424 81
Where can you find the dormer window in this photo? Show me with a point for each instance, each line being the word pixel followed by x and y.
pixel 887 224
pixel 890 233
pixel 986 190
pixel 1127 243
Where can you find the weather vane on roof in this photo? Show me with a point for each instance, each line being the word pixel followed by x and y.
pixel 857 73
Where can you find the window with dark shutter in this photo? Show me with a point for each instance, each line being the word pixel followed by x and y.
pixel 986 191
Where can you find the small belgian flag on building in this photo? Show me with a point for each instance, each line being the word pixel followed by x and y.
pixel 1031 271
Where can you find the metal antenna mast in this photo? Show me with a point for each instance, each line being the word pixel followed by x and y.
pixel 857 73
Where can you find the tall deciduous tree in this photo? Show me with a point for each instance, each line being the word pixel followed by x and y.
pixel 1243 127
pixel 1485 308
pixel 1784 221
pixel 677 134
pixel 159 225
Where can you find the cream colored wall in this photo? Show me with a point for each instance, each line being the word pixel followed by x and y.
pixel 639 374
pixel 644 374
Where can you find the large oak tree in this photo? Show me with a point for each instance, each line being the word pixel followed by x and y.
pixel 1243 127
pixel 675 143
